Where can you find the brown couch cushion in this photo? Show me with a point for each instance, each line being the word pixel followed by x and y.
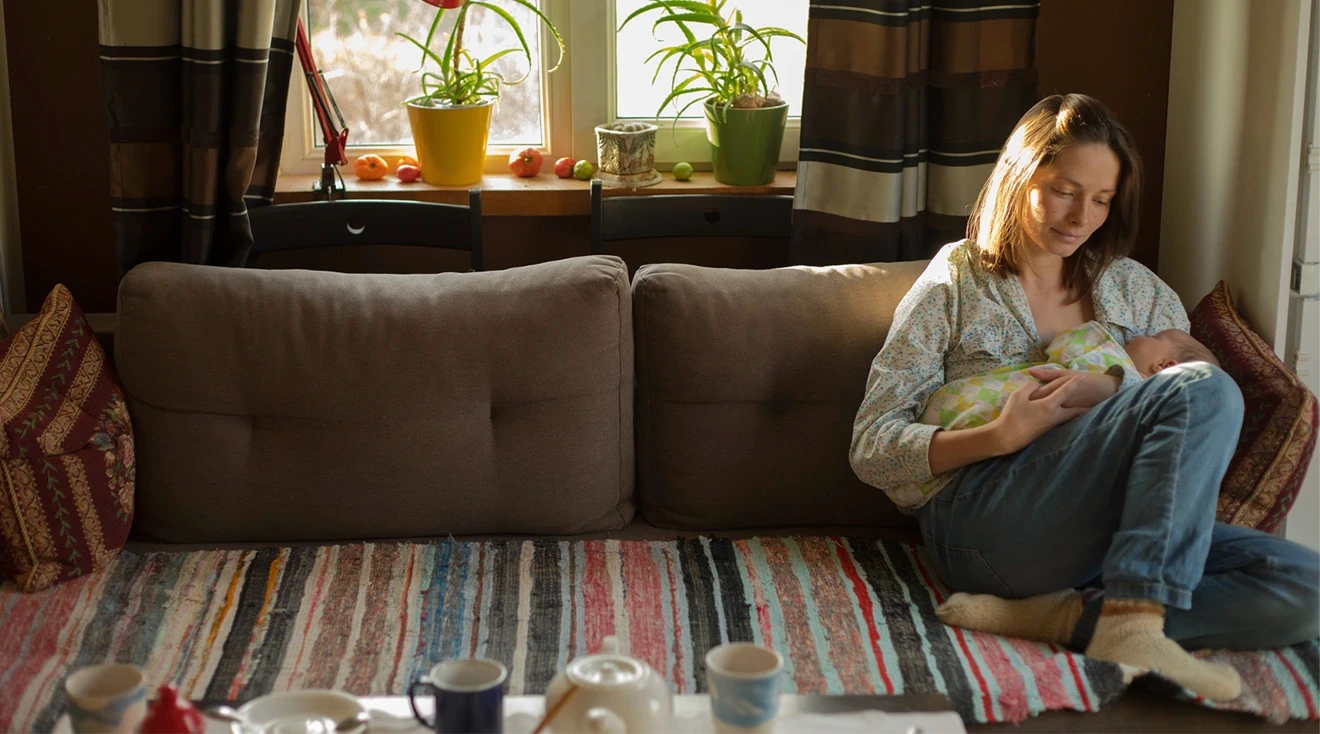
pixel 1279 422
pixel 298 405
pixel 748 384
pixel 67 448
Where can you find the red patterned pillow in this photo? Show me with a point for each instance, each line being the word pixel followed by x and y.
pixel 1279 427
pixel 66 450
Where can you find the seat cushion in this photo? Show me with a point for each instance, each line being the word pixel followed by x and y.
pixel 748 383
pixel 1279 426
pixel 67 447
pixel 298 405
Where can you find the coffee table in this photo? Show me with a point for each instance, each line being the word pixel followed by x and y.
pixel 905 714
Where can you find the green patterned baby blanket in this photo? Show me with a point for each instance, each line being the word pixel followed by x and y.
pixel 975 401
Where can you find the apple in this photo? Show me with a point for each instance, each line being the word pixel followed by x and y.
pixel 407 173
pixel 446 4
pixel 564 167
pixel 582 170
pixel 525 163
pixel 682 170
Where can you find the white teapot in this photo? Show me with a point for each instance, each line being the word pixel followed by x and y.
pixel 611 694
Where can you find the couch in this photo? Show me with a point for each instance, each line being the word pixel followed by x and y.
pixel 557 399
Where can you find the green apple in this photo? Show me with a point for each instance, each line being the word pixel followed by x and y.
pixel 582 170
pixel 682 170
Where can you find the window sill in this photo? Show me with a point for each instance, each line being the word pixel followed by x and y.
pixel 507 195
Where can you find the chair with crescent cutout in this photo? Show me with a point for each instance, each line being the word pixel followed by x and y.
pixel 361 222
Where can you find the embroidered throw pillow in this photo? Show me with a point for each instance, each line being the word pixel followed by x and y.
pixel 1279 426
pixel 66 450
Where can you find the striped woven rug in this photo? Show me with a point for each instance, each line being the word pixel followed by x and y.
pixel 849 615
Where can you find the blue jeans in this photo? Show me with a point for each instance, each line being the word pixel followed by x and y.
pixel 1123 497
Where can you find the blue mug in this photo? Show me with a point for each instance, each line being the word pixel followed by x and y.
pixel 468 694
pixel 744 681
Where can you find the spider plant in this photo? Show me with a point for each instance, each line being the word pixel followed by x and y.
pixel 461 78
pixel 732 67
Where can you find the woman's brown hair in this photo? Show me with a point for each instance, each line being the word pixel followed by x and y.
pixel 1052 124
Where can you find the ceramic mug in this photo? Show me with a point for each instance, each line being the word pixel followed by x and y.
pixel 106 698
pixel 469 696
pixel 744 681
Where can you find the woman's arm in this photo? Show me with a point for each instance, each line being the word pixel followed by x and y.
pixel 1028 414
pixel 889 447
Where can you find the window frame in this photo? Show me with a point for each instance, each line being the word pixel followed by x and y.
pixel 569 119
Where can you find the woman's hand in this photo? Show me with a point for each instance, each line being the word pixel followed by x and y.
pixel 1029 414
pixel 1091 389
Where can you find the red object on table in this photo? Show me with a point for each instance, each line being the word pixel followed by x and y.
pixel 172 715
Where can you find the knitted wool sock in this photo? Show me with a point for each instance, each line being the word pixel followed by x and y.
pixel 1131 631
pixel 1047 617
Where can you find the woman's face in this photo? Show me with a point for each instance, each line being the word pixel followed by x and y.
pixel 1069 199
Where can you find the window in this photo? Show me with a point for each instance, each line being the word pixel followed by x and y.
pixel 602 78
pixel 636 95
pixel 371 70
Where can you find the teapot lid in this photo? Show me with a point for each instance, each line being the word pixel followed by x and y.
pixel 606 671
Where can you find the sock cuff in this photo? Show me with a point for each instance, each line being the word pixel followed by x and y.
pixel 1111 607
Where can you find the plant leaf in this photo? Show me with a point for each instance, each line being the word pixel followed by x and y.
pixel 714 20
pixel 553 31
pixel 497 56
pixel 426 52
pixel 755 34
pixel 773 32
pixel 513 23
pixel 694 6
pixel 439 13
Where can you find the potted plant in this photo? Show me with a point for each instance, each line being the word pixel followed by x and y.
pixel 730 72
pixel 450 119
pixel 626 152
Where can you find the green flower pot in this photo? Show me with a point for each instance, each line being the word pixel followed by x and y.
pixel 744 146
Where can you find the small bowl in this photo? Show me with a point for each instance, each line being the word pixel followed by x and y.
pixel 301 712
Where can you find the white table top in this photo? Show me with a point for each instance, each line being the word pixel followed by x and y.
pixel 392 715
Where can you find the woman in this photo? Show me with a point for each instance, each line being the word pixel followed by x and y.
pixel 1089 479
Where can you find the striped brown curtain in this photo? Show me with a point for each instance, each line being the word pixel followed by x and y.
pixel 905 107
pixel 196 91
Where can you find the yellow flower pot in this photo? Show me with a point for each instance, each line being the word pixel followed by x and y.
pixel 451 142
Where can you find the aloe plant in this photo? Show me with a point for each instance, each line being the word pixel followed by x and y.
pixel 732 67
pixel 461 78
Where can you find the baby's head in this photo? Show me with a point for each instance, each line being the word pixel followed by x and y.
pixel 1166 349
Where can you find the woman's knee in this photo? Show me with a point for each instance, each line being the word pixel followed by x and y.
pixel 1209 387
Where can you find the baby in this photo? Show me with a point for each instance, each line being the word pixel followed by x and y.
pixel 1157 353
pixel 975 401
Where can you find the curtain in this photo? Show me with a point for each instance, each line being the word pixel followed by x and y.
pixel 904 109
pixel 196 91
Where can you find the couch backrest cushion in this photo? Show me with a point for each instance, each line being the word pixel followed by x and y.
pixel 748 384
pixel 298 405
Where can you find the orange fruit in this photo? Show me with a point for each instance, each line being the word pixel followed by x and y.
pixel 407 160
pixel 370 167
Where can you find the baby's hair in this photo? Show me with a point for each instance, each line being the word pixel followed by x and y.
pixel 1191 350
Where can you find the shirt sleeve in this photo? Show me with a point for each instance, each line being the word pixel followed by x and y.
pixel 890 448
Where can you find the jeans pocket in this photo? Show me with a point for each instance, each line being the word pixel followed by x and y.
pixel 965 569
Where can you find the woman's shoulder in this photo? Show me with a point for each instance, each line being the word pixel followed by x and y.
pixel 1128 280
pixel 1131 295
pixel 953 260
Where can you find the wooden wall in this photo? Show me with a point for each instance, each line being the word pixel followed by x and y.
pixel 1117 50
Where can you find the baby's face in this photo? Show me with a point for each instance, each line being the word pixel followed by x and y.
pixel 1152 354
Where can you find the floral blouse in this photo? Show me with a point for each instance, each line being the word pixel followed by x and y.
pixel 960 320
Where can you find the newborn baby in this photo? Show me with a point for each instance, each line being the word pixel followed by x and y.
pixel 975 401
